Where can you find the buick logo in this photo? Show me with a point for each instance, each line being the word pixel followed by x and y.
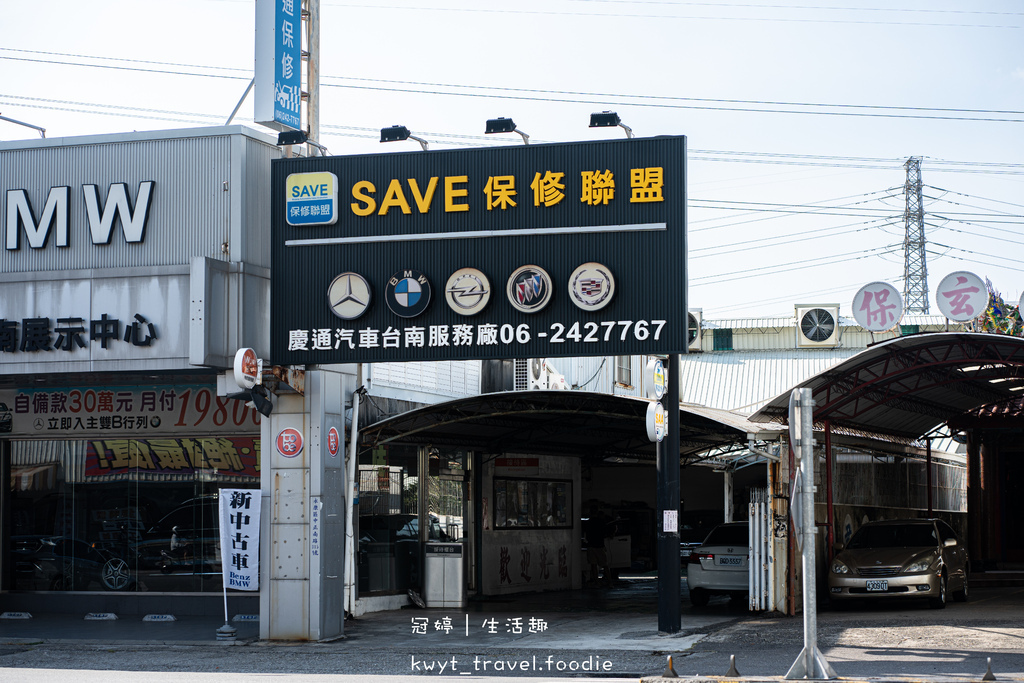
pixel 349 296
pixel 407 293
pixel 591 286
pixel 529 289
pixel 467 291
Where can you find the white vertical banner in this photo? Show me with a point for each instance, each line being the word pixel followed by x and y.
pixel 240 538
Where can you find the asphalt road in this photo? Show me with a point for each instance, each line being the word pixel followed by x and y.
pixel 876 641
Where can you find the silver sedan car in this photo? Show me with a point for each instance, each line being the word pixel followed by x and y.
pixel 909 558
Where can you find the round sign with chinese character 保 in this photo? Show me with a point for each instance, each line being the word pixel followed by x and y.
pixel 878 307
pixel 962 296
pixel 289 442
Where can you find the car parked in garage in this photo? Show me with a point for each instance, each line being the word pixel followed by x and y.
pixel 908 558
pixel 719 565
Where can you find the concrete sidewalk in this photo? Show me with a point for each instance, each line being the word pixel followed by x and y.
pixel 620 618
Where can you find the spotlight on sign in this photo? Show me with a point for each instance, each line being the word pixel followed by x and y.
pixel 504 125
pixel 398 133
pixel 261 400
pixel 291 137
pixel 609 119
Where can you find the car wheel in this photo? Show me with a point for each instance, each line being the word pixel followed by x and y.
pixel 939 601
pixel 116 575
pixel 699 597
pixel 962 595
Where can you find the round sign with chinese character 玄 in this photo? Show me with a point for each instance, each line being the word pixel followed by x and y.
pixel 289 442
pixel 333 441
pixel 878 307
pixel 961 296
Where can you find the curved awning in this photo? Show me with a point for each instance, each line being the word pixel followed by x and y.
pixel 907 386
pixel 577 423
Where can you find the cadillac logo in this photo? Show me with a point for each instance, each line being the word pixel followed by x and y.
pixel 468 291
pixel 591 286
pixel 349 296
pixel 529 288
pixel 407 293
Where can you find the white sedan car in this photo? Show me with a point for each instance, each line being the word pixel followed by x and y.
pixel 719 565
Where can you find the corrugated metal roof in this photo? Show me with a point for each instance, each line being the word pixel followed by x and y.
pixel 907 386
pixel 746 380
pixel 786 321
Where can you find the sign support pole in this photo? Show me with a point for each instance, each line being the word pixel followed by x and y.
pixel 669 575
pixel 810 663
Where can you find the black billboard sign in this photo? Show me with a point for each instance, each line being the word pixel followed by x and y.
pixel 527 251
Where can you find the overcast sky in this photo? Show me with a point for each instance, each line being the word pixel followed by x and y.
pixel 799 114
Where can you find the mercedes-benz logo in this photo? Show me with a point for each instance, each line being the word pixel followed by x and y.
pixel 349 296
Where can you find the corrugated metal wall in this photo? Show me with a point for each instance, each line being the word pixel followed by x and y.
pixel 256 216
pixel 190 213
pixel 446 378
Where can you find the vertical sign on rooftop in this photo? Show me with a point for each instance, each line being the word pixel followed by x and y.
pixel 278 69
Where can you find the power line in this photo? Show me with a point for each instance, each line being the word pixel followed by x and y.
pixel 575 93
pixel 974 234
pixel 968 260
pixel 591 15
pixel 986 199
pixel 812 204
pixel 756 157
pixel 763 242
pixel 787 267
pixel 603 99
pixel 815 7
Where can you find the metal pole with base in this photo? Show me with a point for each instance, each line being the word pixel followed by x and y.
pixel 810 663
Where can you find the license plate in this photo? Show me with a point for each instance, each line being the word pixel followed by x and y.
pixel 877 585
pixel 730 561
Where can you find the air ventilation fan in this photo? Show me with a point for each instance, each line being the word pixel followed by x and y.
pixel 817 326
pixel 538 378
pixel 693 331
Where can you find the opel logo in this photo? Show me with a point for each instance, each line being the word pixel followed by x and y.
pixel 467 291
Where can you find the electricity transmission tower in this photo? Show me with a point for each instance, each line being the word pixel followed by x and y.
pixel 915 269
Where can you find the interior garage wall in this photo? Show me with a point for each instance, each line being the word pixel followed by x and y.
pixel 522 559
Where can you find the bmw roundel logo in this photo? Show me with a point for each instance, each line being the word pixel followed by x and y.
pixel 529 288
pixel 467 291
pixel 349 296
pixel 591 286
pixel 407 293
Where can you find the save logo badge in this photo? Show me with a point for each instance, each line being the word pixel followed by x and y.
pixel 311 199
